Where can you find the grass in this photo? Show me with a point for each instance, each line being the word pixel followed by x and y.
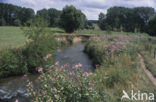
pixel 119 65
pixel 11 36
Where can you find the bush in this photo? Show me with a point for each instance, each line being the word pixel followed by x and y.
pixel 72 19
pixel 35 51
pixel 61 85
pixel 12 63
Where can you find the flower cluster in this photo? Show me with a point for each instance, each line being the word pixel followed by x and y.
pixel 60 84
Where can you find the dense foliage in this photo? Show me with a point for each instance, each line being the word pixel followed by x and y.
pixel 51 15
pixel 33 54
pixel 152 26
pixel 14 15
pixel 72 19
pixel 126 19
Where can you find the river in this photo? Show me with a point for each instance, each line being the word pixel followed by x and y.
pixel 13 88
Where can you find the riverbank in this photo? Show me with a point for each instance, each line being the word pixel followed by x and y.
pixel 118 66
pixel 13 88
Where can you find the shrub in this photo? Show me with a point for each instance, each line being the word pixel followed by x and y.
pixel 61 85
pixel 12 63
pixel 35 51
pixel 72 19
pixel 35 28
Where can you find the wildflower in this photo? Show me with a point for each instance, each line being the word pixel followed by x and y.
pixel 86 74
pixel 91 86
pixel 71 73
pixel 24 76
pixel 47 57
pixel 57 63
pixel 16 100
pixel 97 65
pixel 44 92
pixel 56 96
pixel 62 68
pixel 77 66
pixel 30 84
pixel 66 65
pixel 39 69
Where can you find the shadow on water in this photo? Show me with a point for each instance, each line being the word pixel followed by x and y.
pixel 15 88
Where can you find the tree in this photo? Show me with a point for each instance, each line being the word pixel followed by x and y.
pixel 102 21
pixel 2 22
pixel 13 14
pixel 89 25
pixel 43 13
pixel 152 26
pixel 17 22
pixel 54 17
pixel 72 19
pixel 142 16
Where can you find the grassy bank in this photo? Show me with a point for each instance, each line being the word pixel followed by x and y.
pixel 117 65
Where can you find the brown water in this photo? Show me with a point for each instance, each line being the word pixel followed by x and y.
pixel 15 88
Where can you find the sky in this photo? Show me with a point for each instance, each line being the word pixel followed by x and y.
pixel 91 8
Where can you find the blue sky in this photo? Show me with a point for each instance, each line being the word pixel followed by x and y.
pixel 91 8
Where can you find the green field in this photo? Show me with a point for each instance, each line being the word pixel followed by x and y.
pixel 11 36
pixel 14 37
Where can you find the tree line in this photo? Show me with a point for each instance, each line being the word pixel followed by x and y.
pixel 12 15
pixel 139 19
pixel 127 19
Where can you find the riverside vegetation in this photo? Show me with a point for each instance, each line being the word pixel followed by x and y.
pixel 114 55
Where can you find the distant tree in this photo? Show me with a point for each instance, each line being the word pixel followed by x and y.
pixel 2 22
pixel 26 14
pixel 152 26
pixel 142 16
pixel 54 17
pixel 43 13
pixel 89 25
pixel 102 21
pixel 11 13
pixel 72 19
pixel 17 22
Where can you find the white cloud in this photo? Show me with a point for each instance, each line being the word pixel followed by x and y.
pixel 90 7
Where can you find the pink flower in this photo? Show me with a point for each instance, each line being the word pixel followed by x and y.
pixel 87 74
pixel 57 63
pixel 44 92
pixel 97 65
pixel 71 73
pixel 47 57
pixel 62 68
pixel 77 66
pixel 66 65
pixel 92 86
pixel 24 76
pixel 39 69
pixel 16 100
pixel 30 84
